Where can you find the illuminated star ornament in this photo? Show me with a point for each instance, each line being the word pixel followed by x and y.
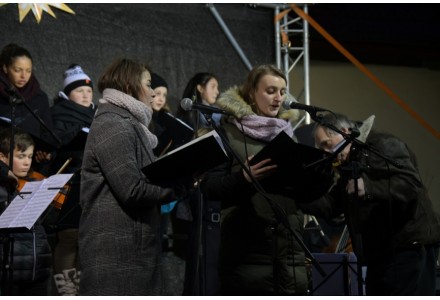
pixel 39 8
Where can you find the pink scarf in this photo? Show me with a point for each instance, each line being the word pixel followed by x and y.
pixel 263 128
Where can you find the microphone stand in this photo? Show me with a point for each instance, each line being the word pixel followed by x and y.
pixel 356 169
pixel 194 281
pixel 280 214
pixel 18 99
pixel 349 138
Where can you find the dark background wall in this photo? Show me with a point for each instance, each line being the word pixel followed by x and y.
pixel 175 40
pixel 399 34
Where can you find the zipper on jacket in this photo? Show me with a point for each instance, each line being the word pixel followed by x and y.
pixel 34 248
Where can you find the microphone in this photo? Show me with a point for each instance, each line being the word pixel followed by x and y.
pixel 293 104
pixel 187 105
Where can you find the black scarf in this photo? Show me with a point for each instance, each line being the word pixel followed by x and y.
pixel 27 92
pixel 68 111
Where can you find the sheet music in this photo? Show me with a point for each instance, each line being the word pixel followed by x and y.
pixel 33 200
pixel 13 210
pixel 7 120
pixel 205 136
pixel 57 181
pixel 180 121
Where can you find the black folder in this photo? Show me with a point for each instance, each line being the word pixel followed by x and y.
pixel 190 160
pixel 174 133
pixel 294 173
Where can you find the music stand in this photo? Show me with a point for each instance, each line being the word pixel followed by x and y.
pixel 23 212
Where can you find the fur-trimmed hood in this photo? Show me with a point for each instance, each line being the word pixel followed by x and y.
pixel 232 102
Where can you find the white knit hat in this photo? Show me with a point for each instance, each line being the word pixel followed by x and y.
pixel 75 77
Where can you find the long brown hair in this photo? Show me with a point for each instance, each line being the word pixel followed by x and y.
pixel 124 75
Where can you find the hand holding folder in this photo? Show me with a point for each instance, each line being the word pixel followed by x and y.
pixel 189 160
pixel 292 173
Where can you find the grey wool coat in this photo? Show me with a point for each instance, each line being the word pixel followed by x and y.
pixel 119 241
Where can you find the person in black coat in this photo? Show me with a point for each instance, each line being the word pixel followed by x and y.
pixel 394 229
pixel 17 81
pixel 72 116
pixel 31 255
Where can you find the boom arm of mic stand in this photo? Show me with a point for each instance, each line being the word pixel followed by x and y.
pixel 16 98
pixel 280 215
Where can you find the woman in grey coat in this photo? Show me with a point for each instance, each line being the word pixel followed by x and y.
pixel 119 244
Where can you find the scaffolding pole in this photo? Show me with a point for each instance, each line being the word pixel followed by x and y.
pixel 288 56
pixel 229 35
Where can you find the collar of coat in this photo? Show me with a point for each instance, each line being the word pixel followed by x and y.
pixel 232 102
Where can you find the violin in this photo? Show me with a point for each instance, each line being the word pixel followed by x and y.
pixel 60 198
pixel 340 243
pixel 32 176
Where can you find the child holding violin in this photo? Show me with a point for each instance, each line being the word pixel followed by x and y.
pixel 32 256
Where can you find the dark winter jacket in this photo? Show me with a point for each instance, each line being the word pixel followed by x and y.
pixel 396 213
pixel 32 255
pixel 36 100
pixel 32 258
pixel 258 255
pixel 69 120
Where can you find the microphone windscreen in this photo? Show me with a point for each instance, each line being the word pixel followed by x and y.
pixel 186 104
pixel 286 103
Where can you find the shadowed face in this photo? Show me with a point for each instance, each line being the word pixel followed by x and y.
pixel 209 92
pixel 20 71
pixel 327 140
pixel 160 99
pixel 147 95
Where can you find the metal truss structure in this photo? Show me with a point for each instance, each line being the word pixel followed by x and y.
pixel 292 48
pixel 288 55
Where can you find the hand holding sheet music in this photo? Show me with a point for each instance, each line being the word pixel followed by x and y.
pixel 193 158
